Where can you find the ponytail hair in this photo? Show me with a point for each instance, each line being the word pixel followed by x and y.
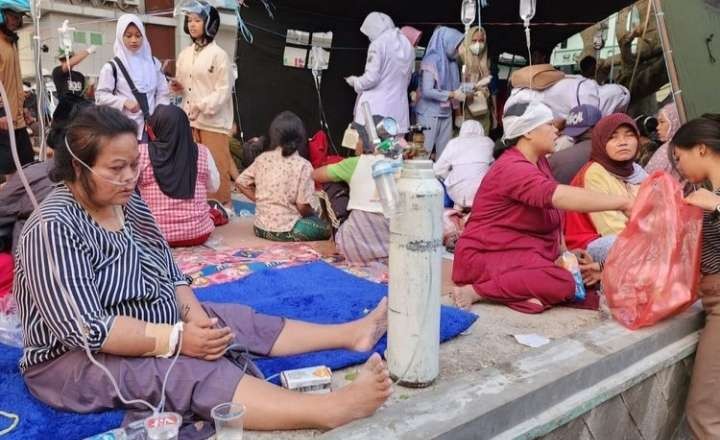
pixel 288 132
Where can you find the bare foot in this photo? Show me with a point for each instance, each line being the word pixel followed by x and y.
pixel 464 296
pixel 370 328
pixel 363 396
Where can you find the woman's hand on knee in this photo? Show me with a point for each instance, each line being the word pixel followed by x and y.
pixel 202 340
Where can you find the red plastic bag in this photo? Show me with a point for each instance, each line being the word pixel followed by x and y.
pixel 653 270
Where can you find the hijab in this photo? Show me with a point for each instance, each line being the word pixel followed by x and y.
pixel 173 153
pixel 440 57
pixel 660 160
pixel 376 24
pixel 413 35
pixel 602 133
pixel 476 63
pixel 141 64
pixel 471 129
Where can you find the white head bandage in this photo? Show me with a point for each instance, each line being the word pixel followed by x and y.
pixel 535 115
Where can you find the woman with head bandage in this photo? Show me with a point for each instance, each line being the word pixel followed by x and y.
pixel 508 249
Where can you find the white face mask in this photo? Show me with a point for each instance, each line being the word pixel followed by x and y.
pixel 476 48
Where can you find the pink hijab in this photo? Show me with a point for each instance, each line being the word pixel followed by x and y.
pixel 660 160
pixel 412 34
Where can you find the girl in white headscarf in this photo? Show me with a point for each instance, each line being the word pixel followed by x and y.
pixel 132 50
pixel 464 162
pixel 387 72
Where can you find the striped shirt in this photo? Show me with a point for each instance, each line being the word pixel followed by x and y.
pixel 129 272
pixel 710 260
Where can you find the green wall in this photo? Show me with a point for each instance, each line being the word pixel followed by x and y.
pixel 689 23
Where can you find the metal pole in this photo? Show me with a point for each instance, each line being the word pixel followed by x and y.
pixel 39 79
pixel 669 60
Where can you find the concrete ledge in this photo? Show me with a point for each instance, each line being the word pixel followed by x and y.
pixel 537 392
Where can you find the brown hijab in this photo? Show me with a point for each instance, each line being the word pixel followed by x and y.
pixel 602 133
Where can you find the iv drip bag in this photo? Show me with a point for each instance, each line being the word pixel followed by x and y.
pixel 468 12
pixel 527 11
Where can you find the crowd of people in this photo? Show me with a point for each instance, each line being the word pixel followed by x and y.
pixel 133 174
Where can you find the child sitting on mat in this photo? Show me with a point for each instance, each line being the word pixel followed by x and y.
pixel 280 182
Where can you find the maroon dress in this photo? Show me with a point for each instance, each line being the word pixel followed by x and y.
pixel 512 239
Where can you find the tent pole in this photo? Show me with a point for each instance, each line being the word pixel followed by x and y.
pixel 670 60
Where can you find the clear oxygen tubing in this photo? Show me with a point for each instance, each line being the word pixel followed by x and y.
pixel 68 297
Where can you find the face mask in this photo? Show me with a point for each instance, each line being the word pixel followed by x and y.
pixel 476 48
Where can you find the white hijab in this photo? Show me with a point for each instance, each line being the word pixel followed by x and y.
pixel 375 24
pixel 471 129
pixel 141 64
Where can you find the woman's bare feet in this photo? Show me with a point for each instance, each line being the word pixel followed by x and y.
pixel 360 399
pixel 464 296
pixel 369 329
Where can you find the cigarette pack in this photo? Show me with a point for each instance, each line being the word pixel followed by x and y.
pixel 315 380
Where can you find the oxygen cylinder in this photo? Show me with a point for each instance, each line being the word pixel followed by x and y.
pixel 415 277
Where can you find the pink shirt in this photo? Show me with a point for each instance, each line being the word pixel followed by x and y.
pixel 513 223
pixel 178 219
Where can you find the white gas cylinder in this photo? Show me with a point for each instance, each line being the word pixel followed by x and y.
pixel 415 277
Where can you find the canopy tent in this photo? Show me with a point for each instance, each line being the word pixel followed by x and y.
pixel 265 87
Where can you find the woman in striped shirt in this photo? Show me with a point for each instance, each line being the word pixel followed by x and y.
pixel 697 151
pixel 113 266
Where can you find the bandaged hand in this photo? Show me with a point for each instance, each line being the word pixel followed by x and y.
pixel 351 80
pixel 202 340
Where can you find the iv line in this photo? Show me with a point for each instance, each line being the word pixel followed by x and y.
pixel 79 321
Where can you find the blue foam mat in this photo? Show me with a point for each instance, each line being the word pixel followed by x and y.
pixel 316 292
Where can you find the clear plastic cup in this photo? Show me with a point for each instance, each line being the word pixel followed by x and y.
pixel 228 419
pixel 164 426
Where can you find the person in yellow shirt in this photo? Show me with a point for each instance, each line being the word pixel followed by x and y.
pixel 611 170
pixel 204 81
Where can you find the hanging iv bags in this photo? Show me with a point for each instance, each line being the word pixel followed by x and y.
pixel 527 10
pixel 468 12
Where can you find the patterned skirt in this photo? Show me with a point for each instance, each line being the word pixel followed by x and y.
pixel 364 237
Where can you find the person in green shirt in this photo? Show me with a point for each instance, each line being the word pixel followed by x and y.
pixel 365 235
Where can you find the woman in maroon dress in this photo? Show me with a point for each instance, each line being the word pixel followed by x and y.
pixel 508 249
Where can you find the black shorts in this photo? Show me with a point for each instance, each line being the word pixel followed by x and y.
pixel 24 147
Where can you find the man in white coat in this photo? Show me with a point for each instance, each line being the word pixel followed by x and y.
pixel 387 72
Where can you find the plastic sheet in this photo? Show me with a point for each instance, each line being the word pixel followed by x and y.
pixel 653 270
